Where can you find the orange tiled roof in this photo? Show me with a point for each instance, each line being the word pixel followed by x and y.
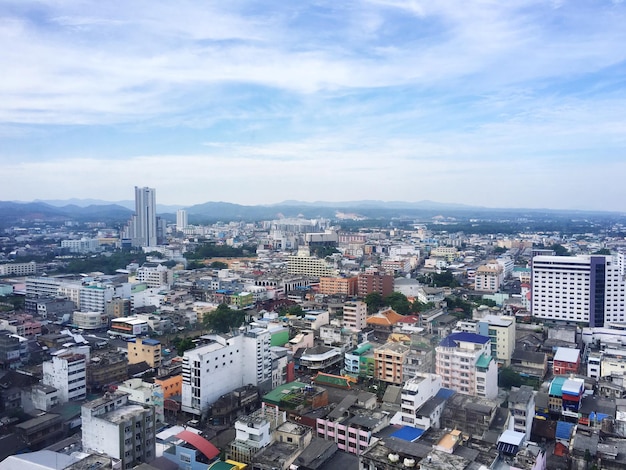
pixel 384 318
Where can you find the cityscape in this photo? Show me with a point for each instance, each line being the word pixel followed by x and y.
pixel 312 235
pixel 150 339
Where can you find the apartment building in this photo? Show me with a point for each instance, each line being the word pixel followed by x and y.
pixel 389 360
pixel 339 285
pixel 522 409
pixel 304 263
pixel 114 426
pixel 145 393
pixel 155 275
pixel 415 393
pixel 566 361
pixel 354 315
pixel 501 331
pixel 144 350
pixel 464 362
pixel 18 269
pixel 67 372
pixel 374 281
pixel 489 277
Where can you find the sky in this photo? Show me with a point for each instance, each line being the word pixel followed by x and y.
pixel 491 103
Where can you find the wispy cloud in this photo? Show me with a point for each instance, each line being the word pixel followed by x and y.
pixel 417 95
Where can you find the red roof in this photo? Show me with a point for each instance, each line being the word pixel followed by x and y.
pixel 409 319
pixel 200 443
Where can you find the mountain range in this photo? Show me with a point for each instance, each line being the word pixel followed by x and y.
pixel 90 210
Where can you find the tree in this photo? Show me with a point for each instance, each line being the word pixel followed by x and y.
pixel 559 249
pixel 182 345
pixel 292 310
pixel 398 302
pixel 602 251
pixel 218 265
pixel 223 319
pixel 508 378
pixel 374 301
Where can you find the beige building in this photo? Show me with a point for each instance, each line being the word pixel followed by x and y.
pixel 388 362
pixel 339 285
pixel 489 277
pixel 304 263
pixel 144 349
pixel 355 315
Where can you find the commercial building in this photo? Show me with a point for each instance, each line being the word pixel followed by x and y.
pixel 464 362
pixel 18 269
pixel 142 228
pixel 489 277
pixel 222 364
pixel 155 275
pixel 84 245
pixel 113 426
pixel 578 289
pixel 304 263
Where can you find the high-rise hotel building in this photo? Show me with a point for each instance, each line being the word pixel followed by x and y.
pixel 586 289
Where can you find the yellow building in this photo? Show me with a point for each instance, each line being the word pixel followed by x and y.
pixel 144 349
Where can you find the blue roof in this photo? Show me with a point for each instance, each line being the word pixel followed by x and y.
pixel 445 393
pixel 564 430
pixel 450 341
pixel 598 417
pixel 150 341
pixel 407 433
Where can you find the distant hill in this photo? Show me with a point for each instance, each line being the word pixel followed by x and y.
pixel 128 204
pixel 14 212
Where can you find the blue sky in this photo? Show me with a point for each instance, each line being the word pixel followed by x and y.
pixel 492 103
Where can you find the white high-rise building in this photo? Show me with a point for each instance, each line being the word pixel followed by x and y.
pixel 145 212
pixel 223 364
pixel 181 219
pixel 578 289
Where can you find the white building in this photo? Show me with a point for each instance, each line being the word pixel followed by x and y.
pixel 464 362
pixel 122 430
pixel 155 275
pixel 18 269
pixel 522 409
pixel 181 220
pixel 415 393
pixel 90 320
pixel 578 289
pixel 145 393
pixel 84 245
pixel 354 315
pixel 223 364
pixel 67 372
pixel 93 298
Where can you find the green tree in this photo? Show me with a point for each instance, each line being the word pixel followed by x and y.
pixel 182 345
pixel 218 265
pixel 374 301
pixel 398 302
pixel 559 249
pixel 223 319
pixel 602 251
pixel 508 378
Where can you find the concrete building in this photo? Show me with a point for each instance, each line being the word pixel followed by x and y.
pixel 84 245
pixel 144 350
pixel 90 320
pixel 501 331
pixel 464 362
pixel 389 360
pixel 155 275
pixel 339 285
pixel 142 229
pixel 145 393
pixel 489 277
pixel 181 220
pixel 67 372
pixel 522 409
pixel 374 281
pixel 18 269
pixel 113 426
pixel 223 363
pixel 566 361
pixel 578 289
pixel 415 393
pixel 304 263
pixel 93 298
pixel 354 315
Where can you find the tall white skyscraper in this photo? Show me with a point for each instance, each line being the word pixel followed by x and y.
pixel 145 211
pixel 181 219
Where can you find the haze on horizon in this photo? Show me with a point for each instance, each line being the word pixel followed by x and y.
pixel 496 104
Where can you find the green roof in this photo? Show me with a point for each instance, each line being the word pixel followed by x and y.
pixel 483 361
pixel 363 348
pixel 279 393
pixel 333 381
pixel 222 466
pixel 556 386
